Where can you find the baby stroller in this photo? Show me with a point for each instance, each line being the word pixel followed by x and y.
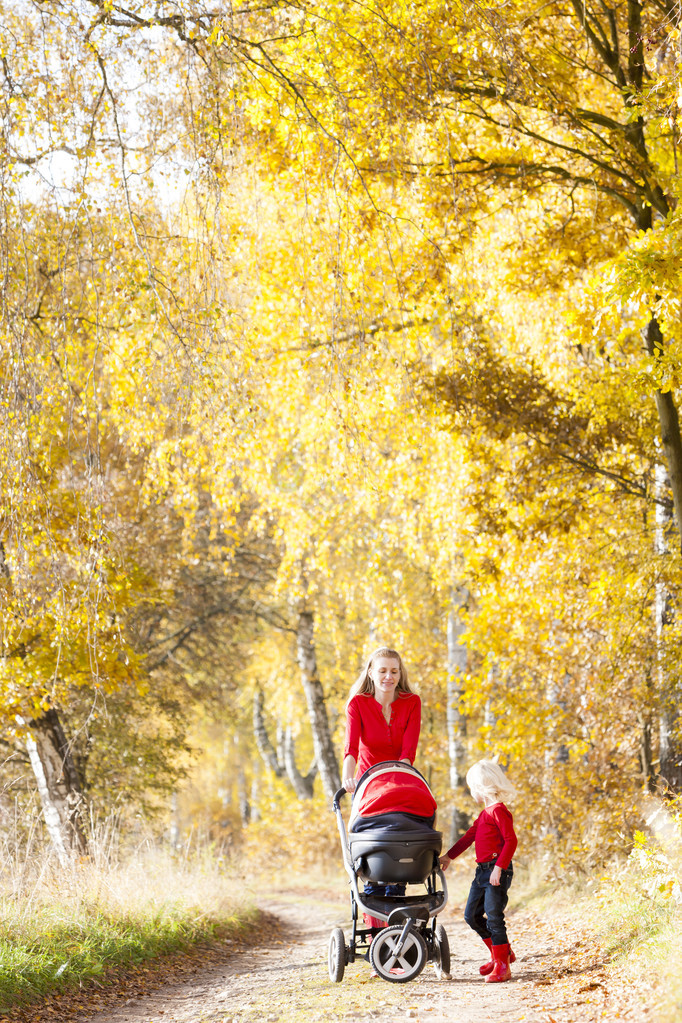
pixel 390 844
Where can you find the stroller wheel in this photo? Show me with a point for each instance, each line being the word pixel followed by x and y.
pixel 337 955
pixel 441 947
pixel 394 964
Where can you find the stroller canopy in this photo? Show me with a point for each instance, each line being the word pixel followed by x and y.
pixel 392 787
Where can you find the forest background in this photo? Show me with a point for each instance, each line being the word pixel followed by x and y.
pixel 325 326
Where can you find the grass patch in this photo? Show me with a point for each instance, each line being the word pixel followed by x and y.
pixel 641 932
pixel 632 912
pixel 66 928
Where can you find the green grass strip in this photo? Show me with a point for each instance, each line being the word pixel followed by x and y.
pixel 55 957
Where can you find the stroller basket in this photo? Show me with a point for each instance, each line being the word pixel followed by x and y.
pixel 395 857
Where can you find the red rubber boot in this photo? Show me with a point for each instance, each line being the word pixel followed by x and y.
pixel 372 921
pixel 501 970
pixel 489 966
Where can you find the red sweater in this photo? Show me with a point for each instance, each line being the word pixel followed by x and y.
pixel 493 832
pixel 369 739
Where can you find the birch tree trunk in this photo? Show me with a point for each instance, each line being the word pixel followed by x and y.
pixel 646 755
pixel 282 760
pixel 489 716
pixel 302 784
pixel 670 428
pixel 272 758
pixel 255 792
pixel 243 797
pixel 456 721
pixel 174 833
pixel 322 741
pixel 670 754
pixel 59 784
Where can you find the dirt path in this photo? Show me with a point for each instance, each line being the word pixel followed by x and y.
pixel 285 980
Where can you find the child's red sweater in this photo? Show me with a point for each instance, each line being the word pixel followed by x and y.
pixel 493 832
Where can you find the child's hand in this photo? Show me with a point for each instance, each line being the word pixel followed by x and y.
pixel 445 862
pixel 496 875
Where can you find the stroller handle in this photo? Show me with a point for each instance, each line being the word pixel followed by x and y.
pixel 338 796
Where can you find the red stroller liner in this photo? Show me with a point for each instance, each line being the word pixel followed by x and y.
pixel 392 788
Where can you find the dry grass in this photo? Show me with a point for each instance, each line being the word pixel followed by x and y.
pixel 59 927
pixel 629 916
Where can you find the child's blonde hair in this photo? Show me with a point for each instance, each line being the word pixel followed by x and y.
pixel 487 780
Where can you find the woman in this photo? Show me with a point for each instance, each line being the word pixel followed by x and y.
pixel 383 720
pixel 383 717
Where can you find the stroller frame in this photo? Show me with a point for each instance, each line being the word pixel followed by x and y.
pixel 412 936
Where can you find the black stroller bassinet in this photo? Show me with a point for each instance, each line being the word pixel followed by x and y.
pixel 391 844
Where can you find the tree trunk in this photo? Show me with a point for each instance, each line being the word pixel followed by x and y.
pixel 670 427
pixel 670 755
pixel 174 833
pixel 243 797
pixel 59 785
pixel 274 759
pixel 282 761
pixel 302 784
pixel 646 747
pixel 322 741
pixel 255 792
pixel 489 716
pixel 4 567
pixel 456 721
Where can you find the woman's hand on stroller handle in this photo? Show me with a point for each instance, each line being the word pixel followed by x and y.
pixel 348 773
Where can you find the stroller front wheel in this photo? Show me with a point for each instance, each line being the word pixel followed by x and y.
pixel 395 963
pixel 337 955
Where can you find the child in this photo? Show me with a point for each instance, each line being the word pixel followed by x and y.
pixel 493 833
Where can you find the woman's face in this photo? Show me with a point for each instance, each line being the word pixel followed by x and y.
pixel 385 673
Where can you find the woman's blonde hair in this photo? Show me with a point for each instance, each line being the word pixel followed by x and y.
pixel 487 780
pixel 364 683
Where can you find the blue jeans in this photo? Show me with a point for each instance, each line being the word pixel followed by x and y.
pixel 379 890
pixel 485 906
